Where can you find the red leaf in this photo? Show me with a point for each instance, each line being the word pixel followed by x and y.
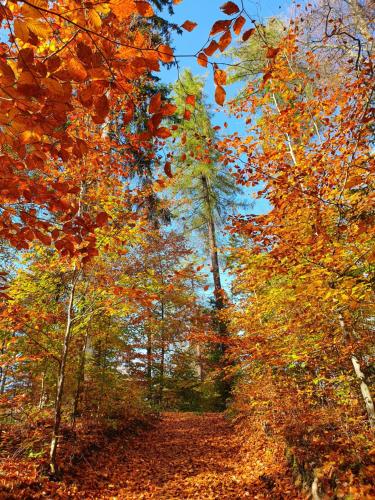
pixel 190 99
pixel 187 114
pixel 168 109
pixel 230 8
pixel 167 169
pixel 189 25
pixel 144 8
pixel 163 133
pixel 220 26
pixel 155 103
pixel 247 34
pixel 239 24
pixel 225 40
pixel 272 52
pixel 211 48
pixel 102 219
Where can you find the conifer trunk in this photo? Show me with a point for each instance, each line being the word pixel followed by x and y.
pixel 213 245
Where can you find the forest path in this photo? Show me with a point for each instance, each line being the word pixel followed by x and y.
pixel 185 456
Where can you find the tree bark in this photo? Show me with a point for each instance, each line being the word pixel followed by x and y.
pixel 61 379
pixel 365 391
pixel 223 382
pixel 80 378
pixel 366 394
pixel 213 245
pixel 3 381
pixel 149 363
pixel 42 398
pixel 162 356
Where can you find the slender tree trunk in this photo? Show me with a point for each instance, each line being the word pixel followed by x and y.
pixel 366 394
pixel 149 363
pixel 224 384
pixel 213 245
pixel 365 391
pixel 42 398
pixel 80 379
pixel 198 362
pixel 61 379
pixel 3 381
pixel 3 371
pixel 162 355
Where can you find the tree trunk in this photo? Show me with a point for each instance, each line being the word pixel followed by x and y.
pixel 198 362
pixel 149 363
pixel 3 381
pixel 80 379
pixel 366 394
pixel 365 391
pixel 162 356
pixel 61 379
pixel 213 246
pixel 42 398
pixel 224 384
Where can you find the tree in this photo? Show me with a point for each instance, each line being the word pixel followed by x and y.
pixel 202 182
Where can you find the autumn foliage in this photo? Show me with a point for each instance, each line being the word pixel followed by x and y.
pixel 109 178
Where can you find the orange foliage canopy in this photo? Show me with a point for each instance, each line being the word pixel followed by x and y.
pixel 64 73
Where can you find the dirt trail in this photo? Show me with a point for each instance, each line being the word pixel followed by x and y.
pixel 184 456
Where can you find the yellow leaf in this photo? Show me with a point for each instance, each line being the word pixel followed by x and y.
pixel 94 19
pixel 29 136
pixel 40 28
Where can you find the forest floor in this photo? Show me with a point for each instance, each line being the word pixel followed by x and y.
pixel 182 456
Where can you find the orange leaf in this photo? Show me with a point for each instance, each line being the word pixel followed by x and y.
pixel 155 103
pixel 272 52
pixel 220 77
pixel 144 8
pixel 189 25
pixel 165 53
pixel 190 99
pixel 163 133
pixel 220 95
pixel 211 48
pixel 230 8
pixel 225 40
pixel 187 114
pixel 219 26
pixel 202 60
pixel 239 24
pixel 168 109
pixel 21 30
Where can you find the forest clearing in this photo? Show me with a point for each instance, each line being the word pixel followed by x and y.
pixel 187 259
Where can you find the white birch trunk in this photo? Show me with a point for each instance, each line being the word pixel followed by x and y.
pixel 366 394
